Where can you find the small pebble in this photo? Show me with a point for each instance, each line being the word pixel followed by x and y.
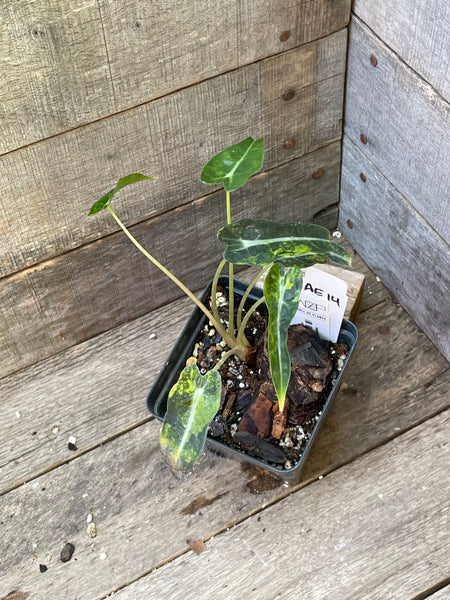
pixel 91 530
pixel 66 552
pixel 102 555
pixel 152 336
pixel 55 429
pixel 43 568
pixel 72 443
pixel 19 414
pixel 89 518
pixel 337 234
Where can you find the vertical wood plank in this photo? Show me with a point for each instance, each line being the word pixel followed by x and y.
pixel 396 242
pixel 405 126
pixel 418 31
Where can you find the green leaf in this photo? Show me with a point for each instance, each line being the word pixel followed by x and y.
pixel 192 404
pixel 234 165
pixel 282 293
pixel 258 242
pixel 105 200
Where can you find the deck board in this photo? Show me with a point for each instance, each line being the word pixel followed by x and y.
pixel 96 390
pixel 385 435
pixel 375 529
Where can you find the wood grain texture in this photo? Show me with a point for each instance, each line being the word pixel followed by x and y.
pixel 96 390
pixel 406 123
pixel 55 72
pixel 48 188
pixel 75 296
pixel 413 262
pixel 69 64
pixel 359 524
pixel 418 31
pixel 140 510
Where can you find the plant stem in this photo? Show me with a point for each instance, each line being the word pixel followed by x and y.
pixel 214 306
pixel 225 356
pixel 230 341
pixel 231 275
pixel 251 285
pixel 251 310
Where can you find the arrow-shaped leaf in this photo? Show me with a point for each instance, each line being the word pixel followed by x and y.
pixel 105 200
pixel 192 404
pixel 234 165
pixel 282 293
pixel 258 242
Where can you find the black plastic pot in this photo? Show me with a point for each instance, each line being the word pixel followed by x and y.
pixel 157 397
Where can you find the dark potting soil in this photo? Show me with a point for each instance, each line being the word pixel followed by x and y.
pixel 248 418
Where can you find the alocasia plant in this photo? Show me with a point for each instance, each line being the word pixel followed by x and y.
pixel 281 250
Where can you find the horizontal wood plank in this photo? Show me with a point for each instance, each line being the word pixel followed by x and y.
pixel 48 188
pixel 412 261
pixel 353 536
pixel 394 108
pixel 418 31
pixel 75 296
pixel 65 65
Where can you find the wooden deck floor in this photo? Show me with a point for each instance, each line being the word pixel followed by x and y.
pixel 370 519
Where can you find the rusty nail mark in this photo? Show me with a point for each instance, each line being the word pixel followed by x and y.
pixel 362 177
pixel 384 330
pixel 350 224
pixel 285 36
pixel 288 95
pixel 363 138
pixel 318 174
pixel 373 60
pixel 288 144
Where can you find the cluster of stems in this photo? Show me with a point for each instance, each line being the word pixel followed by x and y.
pixel 233 335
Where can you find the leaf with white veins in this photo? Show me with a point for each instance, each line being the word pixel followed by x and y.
pixel 234 165
pixel 258 242
pixel 192 404
pixel 282 293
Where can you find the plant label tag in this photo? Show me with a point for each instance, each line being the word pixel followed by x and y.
pixel 322 303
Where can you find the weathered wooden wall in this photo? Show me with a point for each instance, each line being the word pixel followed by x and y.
pixel 395 193
pixel 94 89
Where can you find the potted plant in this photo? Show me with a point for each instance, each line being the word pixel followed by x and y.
pixel 193 385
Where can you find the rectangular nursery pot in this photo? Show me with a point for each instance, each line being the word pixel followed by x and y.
pixel 168 376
